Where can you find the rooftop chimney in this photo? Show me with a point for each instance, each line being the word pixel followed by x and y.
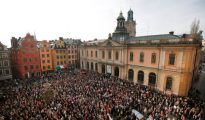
pixel 171 32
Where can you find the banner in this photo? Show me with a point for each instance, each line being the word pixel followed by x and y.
pixel 109 69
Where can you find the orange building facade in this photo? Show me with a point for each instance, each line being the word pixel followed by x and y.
pixel 45 56
pixel 167 62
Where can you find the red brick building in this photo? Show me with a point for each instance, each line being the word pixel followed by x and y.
pixel 25 58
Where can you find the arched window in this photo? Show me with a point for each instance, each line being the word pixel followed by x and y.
pixel 152 79
pixel 131 56
pixel 171 58
pixel 169 83
pixel 130 75
pixel 141 57
pixel 140 76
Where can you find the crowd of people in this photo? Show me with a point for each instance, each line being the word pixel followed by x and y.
pixel 93 96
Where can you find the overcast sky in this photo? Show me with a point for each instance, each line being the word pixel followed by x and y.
pixel 89 19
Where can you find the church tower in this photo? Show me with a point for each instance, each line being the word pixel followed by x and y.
pixel 130 24
pixel 120 31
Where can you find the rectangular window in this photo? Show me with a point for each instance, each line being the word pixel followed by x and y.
pixel 153 58
pixel 57 62
pixel 103 54
pixel 25 68
pixel 37 67
pixel 44 67
pixel 43 55
pixel 82 53
pixel 47 55
pixel 48 61
pixel 57 57
pixel 116 56
pixel 141 57
pixel 31 67
pixel 7 72
pixel 131 56
pixel 171 58
pixel 87 53
pixel 0 63
pixel 109 54
pixel 24 59
pixel 6 63
pixel 49 67
pixel 43 61
pixel 96 54
pixel 1 72
pixel 91 53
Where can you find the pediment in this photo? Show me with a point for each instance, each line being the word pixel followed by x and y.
pixel 110 43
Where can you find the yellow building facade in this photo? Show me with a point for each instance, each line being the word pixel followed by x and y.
pixel 45 56
pixel 166 62
pixel 58 54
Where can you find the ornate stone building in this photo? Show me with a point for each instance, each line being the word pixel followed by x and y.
pixel 167 62
pixel 5 64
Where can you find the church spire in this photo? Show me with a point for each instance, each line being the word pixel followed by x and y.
pixel 130 15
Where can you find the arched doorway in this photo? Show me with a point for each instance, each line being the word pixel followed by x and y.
pixel 87 65
pixel 96 67
pixel 116 72
pixel 152 79
pixel 103 68
pixel 130 75
pixel 140 77
pixel 91 65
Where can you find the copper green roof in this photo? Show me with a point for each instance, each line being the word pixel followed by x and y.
pixel 155 37
pixel 120 16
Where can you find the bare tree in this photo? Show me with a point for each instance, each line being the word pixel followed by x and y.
pixel 195 29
